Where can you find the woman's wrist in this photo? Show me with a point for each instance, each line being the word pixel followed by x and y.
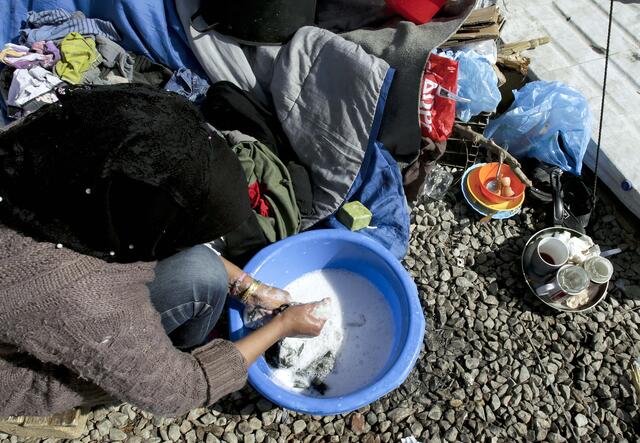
pixel 238 284
pixel 243 287
pixel 282 325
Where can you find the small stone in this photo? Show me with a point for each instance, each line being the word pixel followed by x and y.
pixel 357 423
pixel 603 431
pixel 524 374
pixel 185 426
pixel 134 439
pixel 417 428
pixel 399 414
pixel 490 416
pixel 445 275
pixel 231 426
pixel 491 300
pixel 116 434
pixel 329 429
pixel 451 435
pixel 463 282
pixel 268 417
pixel 244 427
pixel 174 432
pixel 230 438
pixel 100 414
pixel 455 403
pixel 207 419
pixel 471 363
pixel 190 436
pixel 524 417
pixel 435 413
pixel 521 429
pixel 610 404
pixel 255 423
pixel 554 437
pixel 103 427
pixel 338 425
pixel 128 410
pixel 299 426
pixel 580 420
pixel 495 402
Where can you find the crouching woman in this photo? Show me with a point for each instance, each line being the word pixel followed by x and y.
pixel 106 291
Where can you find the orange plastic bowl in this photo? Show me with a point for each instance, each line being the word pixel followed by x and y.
pixel 488 172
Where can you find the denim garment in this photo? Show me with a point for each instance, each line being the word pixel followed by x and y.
pixel 189 292
pixel 188 84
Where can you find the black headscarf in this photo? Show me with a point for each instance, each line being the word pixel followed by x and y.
pixel 121 172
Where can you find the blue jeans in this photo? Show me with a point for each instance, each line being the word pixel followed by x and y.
pixel 189 292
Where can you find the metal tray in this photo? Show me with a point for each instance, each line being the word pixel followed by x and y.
pixel 596 292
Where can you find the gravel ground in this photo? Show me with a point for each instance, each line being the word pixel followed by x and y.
pixel 497 365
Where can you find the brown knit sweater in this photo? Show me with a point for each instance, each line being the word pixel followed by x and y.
pixel 75 330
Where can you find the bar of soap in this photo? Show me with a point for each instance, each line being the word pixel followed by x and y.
pixel 354 215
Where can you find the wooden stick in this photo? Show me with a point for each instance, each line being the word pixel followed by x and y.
pixel 475 137
pixel 515 48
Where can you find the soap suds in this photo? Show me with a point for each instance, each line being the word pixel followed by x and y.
pixel 359 332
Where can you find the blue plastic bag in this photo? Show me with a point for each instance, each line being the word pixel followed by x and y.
pixel 477 83
pixel 549 121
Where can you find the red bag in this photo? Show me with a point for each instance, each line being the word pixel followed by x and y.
pixel 418 11
pixel 437 105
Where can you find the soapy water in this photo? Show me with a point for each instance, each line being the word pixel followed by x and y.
pixel 358 334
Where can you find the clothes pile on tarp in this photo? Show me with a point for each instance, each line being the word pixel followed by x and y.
pixel 316 122
pixel 57 47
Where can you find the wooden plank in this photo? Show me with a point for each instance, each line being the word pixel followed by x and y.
pixel 70 424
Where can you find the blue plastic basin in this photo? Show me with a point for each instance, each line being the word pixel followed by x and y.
pixel 281 263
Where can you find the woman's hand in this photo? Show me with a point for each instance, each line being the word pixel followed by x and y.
pixel 296 321
pixel 304 320
pixel 268 297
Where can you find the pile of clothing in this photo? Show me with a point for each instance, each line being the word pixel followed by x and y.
pixel 58 48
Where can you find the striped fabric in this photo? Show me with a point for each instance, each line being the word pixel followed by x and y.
pixel 50 17
pixel 55 24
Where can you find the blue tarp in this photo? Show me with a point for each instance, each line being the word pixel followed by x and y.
pixel 378 186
